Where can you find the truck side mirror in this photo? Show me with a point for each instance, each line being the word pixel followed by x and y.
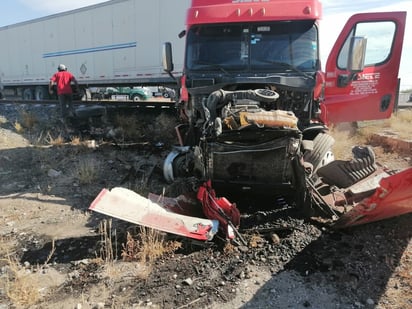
pixel 167 58
pixel 356 57
pixel 356 60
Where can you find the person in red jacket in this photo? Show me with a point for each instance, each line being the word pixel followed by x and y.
pixel 62 79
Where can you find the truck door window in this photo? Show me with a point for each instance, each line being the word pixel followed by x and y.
pixel 380 36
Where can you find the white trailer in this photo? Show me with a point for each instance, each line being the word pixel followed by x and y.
pixel 117 42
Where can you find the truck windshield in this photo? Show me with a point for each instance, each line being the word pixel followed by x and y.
pixel 270 46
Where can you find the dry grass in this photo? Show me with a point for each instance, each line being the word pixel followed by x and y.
pixel 87 170
pixel 19 283
pixel 3 120
pixel 19 286
pixel 76 141
pixel 58 141
pixel 108 253
pixel 399 123
pixel 106 241
pixel 53 249
pixel 28 120
pixel 148 246
pixel 6 246
pixel 18 127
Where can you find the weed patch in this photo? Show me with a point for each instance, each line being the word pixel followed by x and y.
pixel 19 286
pixel 58 141
pixel 18 127
pixel 28 120
pixel 87 171
pixel 148 246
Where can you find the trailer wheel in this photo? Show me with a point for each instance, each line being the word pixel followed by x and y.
pixel 28 94
pixel 41 93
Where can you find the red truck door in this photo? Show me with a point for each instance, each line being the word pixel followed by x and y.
pixel 371 92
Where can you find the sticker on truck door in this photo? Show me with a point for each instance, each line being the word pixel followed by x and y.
pixel 365 84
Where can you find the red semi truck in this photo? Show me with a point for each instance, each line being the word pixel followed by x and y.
pixel 255 101
pixel 255 105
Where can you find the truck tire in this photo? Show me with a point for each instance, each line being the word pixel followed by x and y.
pixel 81 94
pixel 28 94
pixel 321 153
pixel 85 94
pixel 41 93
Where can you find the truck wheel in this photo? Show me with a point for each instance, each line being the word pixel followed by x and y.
pixel 41 93
pixel 321 153
pixel 28 94
pixel 82 94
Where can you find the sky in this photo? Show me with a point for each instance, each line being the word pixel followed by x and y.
pixel 335 13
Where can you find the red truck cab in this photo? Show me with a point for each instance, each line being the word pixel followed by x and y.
pixel 345 94
pixel 255 101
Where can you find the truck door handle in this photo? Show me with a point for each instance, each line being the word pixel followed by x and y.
pixel 385 102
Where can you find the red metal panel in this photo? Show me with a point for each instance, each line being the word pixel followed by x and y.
pixel 129 206
pixel 226 11
pixel 392 198
pixel 361 98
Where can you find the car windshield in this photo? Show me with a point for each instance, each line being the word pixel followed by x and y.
pixel 273 46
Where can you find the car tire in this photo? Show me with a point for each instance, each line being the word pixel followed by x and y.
pixel 136 98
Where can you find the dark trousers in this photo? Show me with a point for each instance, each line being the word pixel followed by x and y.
pixel 66 105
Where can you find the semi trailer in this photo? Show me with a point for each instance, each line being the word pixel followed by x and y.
pixel 111 44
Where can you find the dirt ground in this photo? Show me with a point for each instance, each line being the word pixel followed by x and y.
pixel 53 254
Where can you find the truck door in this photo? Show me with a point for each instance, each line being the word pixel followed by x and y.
pixel 369 91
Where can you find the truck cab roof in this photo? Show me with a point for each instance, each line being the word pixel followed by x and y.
pixel 226 11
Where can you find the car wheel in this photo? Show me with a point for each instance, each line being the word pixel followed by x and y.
pixel 136 98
